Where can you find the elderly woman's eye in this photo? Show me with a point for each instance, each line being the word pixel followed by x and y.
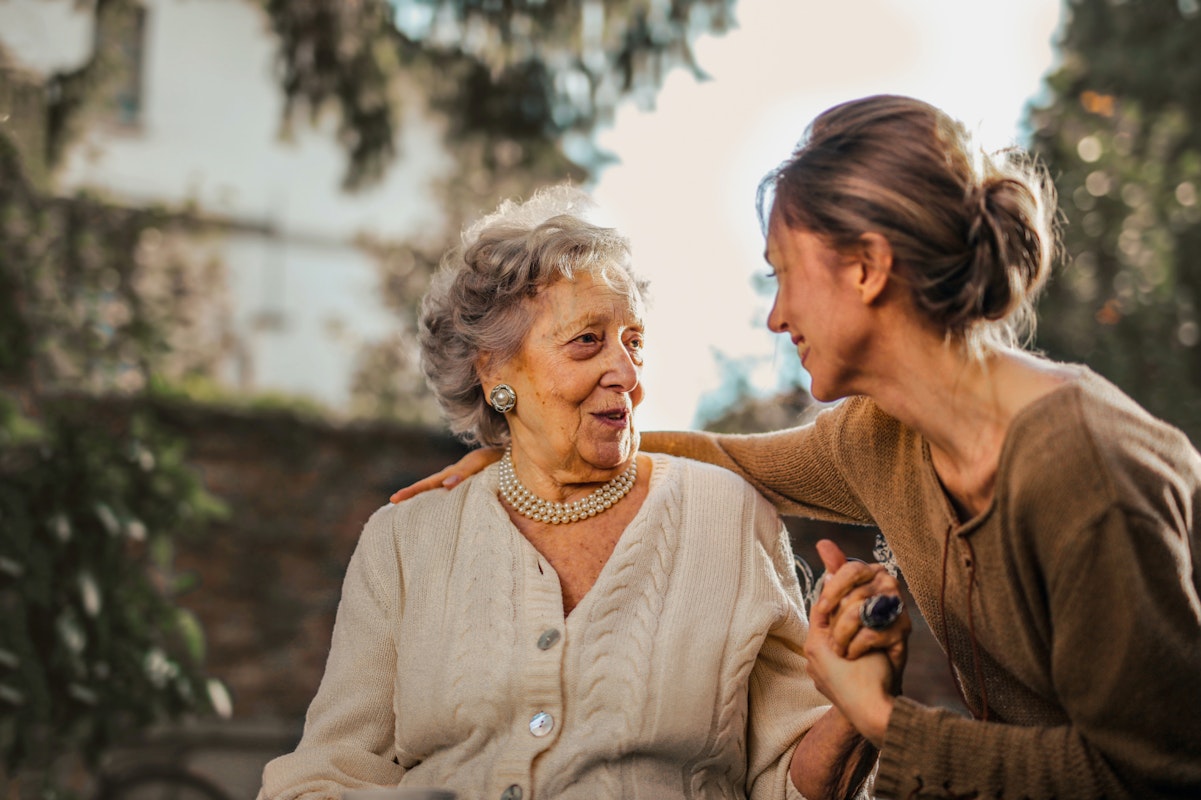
pixel 588 338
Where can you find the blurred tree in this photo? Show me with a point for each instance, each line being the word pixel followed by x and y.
pixel 735 407
pixel 92 644
pixel 519 73
pixel 1121 134
pixel 526 77
pixel 93 647
pixel 388 382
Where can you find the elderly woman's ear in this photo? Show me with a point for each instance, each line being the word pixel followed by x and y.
pixel 500 395
pixel 483 368
pixel 488 377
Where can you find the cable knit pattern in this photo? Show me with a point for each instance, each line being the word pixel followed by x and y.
pixel 624 622
pixel 679 675
pixel 1083 580
pixel 713 771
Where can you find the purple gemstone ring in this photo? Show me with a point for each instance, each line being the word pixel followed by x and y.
pixel 880 610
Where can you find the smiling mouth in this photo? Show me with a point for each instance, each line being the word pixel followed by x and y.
pixel 802 348
pixel 617 415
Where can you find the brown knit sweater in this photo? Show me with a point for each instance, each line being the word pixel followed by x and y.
pixel 1069 607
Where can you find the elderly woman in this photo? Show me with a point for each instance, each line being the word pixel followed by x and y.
pixel 579 620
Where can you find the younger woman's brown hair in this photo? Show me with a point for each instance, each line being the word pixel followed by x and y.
pixel 972 234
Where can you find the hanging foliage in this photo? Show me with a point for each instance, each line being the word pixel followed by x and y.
pixel 93 647
pixel 528 71
pixel 92 644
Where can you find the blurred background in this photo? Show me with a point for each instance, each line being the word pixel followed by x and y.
pixel 217 218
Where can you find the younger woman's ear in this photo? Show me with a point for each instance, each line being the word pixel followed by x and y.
pixel 875 267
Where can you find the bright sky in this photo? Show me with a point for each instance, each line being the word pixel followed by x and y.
pixel 685 186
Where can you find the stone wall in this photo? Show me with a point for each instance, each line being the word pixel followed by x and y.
pixel 268 577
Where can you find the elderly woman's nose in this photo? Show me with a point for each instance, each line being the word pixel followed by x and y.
pixel 622 368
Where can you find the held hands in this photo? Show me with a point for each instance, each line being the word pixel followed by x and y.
pixel 857 668
pixel 453 475
pixel 846 586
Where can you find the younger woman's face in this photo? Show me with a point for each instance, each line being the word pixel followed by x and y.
pixel 817 306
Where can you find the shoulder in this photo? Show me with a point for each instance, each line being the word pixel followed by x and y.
pixel 1090 423
pixel 1124 435
pixel 1087 449
pixel 851 430
pixel 711 497
pixel 414 511
pixel 871 431
pixel 862 415
pixel 697 479
pixel 425 519
pixel 872 448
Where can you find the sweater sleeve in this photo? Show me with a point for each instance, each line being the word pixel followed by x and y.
pixel 783 701
pixel 798 470
pixel 349 730
pixel 1125 658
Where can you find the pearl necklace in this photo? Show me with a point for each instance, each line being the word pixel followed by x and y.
pixel 527 504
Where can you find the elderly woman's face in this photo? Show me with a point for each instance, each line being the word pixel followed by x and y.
pixel 578 380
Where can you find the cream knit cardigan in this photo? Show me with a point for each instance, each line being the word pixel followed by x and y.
pixel 679 675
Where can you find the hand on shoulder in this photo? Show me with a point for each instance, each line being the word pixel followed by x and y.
pixel 452 476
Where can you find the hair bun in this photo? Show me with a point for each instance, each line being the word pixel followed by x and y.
pixel 1008 243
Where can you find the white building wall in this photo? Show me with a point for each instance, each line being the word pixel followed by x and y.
pixel 313 304
pixel 45 37
pixel 210 135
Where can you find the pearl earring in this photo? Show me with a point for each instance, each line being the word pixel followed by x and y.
pixel 502 398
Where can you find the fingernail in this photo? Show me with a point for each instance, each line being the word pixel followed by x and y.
pixel 452 481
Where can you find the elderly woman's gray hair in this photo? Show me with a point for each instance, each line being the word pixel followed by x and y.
pixel 478 303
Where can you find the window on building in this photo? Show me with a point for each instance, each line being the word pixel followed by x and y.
pixel 120 44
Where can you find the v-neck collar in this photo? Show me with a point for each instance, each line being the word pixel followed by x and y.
pixel 651 504
pixel 1021 419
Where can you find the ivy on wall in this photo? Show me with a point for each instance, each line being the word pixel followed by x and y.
pixel 93 646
